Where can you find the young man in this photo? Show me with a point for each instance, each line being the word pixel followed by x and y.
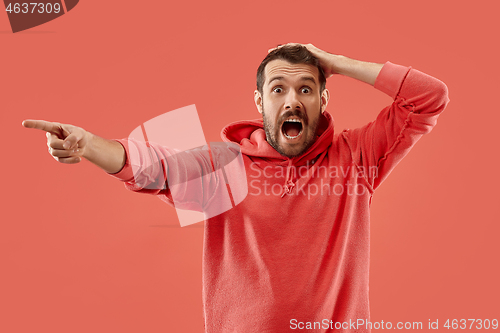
pixel 294 254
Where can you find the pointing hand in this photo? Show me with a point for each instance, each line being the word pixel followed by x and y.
pixel 67 143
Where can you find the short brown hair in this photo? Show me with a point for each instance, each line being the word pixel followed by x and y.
pixel 294 54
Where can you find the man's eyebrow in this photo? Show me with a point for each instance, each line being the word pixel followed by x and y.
pixel 303 78
pixel 309 78
pixel 276 78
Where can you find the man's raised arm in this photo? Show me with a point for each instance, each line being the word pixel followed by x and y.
pixel 339 64
pixel 418 100
pixel 68 144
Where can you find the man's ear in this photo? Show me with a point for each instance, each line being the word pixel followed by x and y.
pixel 257 97
pixel 325 97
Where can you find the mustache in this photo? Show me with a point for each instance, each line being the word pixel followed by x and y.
pixel 292 113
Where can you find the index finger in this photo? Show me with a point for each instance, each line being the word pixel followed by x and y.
pixel 43 125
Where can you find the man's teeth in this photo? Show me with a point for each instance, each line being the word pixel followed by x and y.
pixel 293 121
pixel 292 137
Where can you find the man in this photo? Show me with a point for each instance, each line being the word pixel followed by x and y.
pixel 295 253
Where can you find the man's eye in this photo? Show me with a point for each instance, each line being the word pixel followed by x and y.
pixel 306 90
pixel 277 90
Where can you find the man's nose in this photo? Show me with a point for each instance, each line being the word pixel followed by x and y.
pixel 292 101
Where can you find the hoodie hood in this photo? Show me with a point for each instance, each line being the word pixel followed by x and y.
pixel 251 137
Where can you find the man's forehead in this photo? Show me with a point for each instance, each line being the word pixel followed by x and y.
pixel 284 69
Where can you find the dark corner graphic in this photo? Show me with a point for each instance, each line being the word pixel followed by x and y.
pixel 26 15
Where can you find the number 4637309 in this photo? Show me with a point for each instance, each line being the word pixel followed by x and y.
pixel 479 324
pixel 33 8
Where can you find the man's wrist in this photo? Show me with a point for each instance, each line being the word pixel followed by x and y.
pixel 109 155
pixel 89 148
pixel 338 65
pixel 356 69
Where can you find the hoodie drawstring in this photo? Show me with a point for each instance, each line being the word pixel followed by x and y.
pixel 289 185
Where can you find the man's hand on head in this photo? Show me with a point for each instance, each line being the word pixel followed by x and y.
pixel 339 64
pixel 326 60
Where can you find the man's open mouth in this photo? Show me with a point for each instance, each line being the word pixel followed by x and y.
pixel 292 128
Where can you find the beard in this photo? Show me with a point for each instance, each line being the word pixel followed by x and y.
pixel 273 132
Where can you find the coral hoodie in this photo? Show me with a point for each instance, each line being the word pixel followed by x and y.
pixel 294 254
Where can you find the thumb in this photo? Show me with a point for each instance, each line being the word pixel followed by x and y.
pixel 72 140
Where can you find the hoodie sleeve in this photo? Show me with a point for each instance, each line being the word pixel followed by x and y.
pixel 182 179
pixel 418 101
pixel 196 179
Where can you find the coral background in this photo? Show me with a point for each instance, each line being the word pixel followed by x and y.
pixel 79 253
